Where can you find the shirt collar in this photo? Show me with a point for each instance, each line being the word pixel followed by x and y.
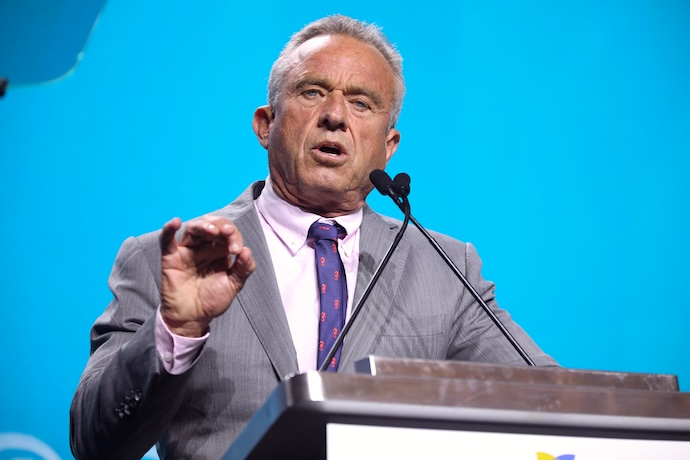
pixel 291 224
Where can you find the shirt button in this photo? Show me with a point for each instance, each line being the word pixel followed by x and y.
pixel 167 357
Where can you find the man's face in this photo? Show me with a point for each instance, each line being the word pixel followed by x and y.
pixel 330 128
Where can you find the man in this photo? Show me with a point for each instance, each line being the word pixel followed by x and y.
pixel 202 328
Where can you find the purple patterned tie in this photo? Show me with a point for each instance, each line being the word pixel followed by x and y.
pixel 332 288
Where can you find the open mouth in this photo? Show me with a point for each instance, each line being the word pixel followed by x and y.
pixel 331 149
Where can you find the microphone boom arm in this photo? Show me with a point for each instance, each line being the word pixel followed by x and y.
pixel 474 293
pixel 397 190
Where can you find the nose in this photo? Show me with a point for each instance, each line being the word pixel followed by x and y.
pixel 334 112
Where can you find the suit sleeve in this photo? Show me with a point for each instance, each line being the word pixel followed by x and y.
pixel 476 337
pixel 125 398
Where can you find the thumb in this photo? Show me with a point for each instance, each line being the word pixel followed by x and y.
pixel 167 239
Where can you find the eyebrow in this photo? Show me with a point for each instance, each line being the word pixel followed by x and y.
pixel 350 90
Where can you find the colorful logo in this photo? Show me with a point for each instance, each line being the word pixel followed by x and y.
pixel 543 456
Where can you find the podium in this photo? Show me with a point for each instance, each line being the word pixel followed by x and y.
pixel 404 408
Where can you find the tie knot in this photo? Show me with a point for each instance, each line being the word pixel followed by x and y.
pixel 324 231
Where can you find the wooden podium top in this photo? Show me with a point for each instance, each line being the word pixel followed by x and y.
pixel 467 396
pixel 376 365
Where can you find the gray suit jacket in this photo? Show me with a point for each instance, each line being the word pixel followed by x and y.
pixel 126 401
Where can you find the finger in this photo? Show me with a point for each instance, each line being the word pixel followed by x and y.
pixel 217 231
pixel 207 228
pixel 235 242
pixel 210 253
pixel 228 230
pixel 243 267
pixel 167 239
pixel 198 232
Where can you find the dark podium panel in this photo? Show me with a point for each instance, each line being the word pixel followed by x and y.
pixel 465 398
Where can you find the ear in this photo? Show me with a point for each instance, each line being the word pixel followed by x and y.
pixel 262 123
pixel 392 142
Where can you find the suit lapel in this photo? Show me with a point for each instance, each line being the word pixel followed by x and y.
pixel 260 298
pixel 375 239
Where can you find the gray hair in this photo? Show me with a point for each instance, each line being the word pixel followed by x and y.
pixel 340 25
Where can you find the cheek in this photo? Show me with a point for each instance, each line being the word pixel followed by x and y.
pixel 285 151
pixel 375 146
pixel 293 135
pixel 280 138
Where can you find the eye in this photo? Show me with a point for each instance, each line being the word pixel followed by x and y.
pixel 360 104
pixel 311 93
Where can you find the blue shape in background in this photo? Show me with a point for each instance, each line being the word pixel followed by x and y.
pixel 554 136
pixel 42 40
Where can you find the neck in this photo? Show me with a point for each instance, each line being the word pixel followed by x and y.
pixel 324 206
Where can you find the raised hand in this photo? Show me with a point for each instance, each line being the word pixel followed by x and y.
pixel 202 273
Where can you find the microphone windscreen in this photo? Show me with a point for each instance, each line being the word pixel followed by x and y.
pixel 402 183
pixel 381 180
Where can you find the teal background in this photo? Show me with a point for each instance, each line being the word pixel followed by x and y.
pixel 554 135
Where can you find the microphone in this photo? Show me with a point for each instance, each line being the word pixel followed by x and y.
pixel 400 188
pixel 394 188
pixel 402 184
pixel 385 186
